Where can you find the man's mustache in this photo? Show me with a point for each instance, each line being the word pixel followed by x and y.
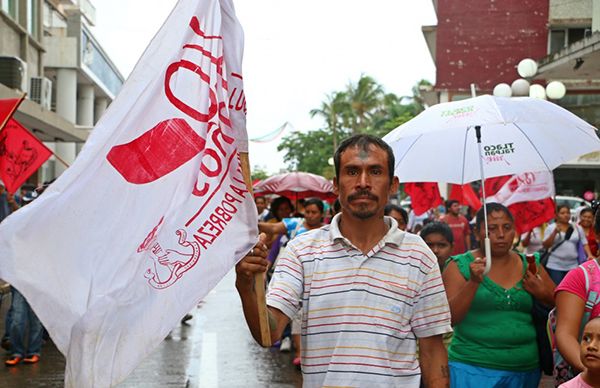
pixel 362 194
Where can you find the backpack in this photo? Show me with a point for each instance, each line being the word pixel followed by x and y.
pixel 562 370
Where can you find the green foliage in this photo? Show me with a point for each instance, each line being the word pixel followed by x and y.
pixel 259 173
pixel 364 107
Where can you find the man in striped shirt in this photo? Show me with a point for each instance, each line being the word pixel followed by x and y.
pixel 369 291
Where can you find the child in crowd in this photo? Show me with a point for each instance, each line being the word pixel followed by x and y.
pixel 438 237
pixel 590 357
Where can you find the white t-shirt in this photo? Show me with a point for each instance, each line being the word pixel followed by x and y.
pixel 564 258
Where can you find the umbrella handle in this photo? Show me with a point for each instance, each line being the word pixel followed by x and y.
pixel 488 256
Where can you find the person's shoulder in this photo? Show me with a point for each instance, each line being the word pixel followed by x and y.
pixel 418 249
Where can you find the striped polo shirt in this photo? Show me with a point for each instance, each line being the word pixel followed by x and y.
pixel 362 313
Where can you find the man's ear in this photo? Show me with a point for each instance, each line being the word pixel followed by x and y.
pixel 336 190
pixel 395 185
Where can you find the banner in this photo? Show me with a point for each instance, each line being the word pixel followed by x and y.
pixel 423 196
pixel 154 211
pixel 21 154
pixel 529 186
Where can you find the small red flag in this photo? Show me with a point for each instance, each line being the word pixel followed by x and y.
pixel 21 154
pixel 7 108
pixel 530 214
pixel 465 195
pixel 423 195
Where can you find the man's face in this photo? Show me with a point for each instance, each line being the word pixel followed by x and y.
pixel 455 208
pixel 312 216
pixel 441 248
pixel 363 185
pixel 260 204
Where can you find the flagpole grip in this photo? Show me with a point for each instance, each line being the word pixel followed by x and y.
pixel 259 279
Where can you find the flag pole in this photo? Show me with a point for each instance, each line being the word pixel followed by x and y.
pixel 12 112
pixel 60 159
pixel 259 279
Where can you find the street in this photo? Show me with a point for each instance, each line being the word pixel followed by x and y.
pixel 214 350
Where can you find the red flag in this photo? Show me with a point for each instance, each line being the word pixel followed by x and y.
pixel 423 195
pixel 530 214
pixel 7 108
pixel 492 185
pixel 465 195
pixel 21 154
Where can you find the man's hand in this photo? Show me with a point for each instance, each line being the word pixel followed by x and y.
pixel 254 262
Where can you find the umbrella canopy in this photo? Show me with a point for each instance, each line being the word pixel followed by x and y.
pixel 517 135
pixel 296 185
pixel 485 136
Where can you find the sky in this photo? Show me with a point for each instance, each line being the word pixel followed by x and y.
pixel 296 52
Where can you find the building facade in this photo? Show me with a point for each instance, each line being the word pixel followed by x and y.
pixel 481 42
pixel 47 50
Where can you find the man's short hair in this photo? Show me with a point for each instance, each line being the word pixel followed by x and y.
pixel 391 207
pixel 450 202
pixel 438 227
pixel 363 141
pixel 491 207
pixel 261 198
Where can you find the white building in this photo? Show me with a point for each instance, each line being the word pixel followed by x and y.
pixel 48 51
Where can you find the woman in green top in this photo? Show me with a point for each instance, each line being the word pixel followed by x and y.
pixel 494 343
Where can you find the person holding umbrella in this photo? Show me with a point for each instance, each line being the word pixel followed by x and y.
pixel 494 342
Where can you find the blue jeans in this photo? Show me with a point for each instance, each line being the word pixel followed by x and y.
pixel 24 318
pixel 556 275
pixel 470 376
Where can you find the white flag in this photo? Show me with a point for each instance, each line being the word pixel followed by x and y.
pixel 153 213
pixel 529 186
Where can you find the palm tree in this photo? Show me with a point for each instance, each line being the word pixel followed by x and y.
pixel 335 113
pixel 365 98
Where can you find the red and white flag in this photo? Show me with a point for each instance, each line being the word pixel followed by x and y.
pixel 21 154
pixel 529 198
pixel 153 213
pixel 529 186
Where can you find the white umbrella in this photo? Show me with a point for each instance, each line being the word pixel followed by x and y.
pixel 515 135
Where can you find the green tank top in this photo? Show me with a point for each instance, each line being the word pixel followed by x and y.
pixel 498 331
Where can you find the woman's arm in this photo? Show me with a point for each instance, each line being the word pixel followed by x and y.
pixel 540 286
pixel 272 228
pixel 461 292
pixel 549 241
pixel 569 313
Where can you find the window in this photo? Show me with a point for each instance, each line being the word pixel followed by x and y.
pixel 32 18
pixel 10 7
pixel 561 38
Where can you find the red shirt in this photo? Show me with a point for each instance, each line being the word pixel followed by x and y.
pixel 592 243
pixel 460 232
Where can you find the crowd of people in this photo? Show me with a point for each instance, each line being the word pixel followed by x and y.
pixel 384 297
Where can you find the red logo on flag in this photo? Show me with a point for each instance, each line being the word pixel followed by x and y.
pixel 21 154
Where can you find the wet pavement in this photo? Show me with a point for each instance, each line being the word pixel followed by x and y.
pixel 214 350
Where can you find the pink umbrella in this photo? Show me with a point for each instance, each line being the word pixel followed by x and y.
pixel 296 185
